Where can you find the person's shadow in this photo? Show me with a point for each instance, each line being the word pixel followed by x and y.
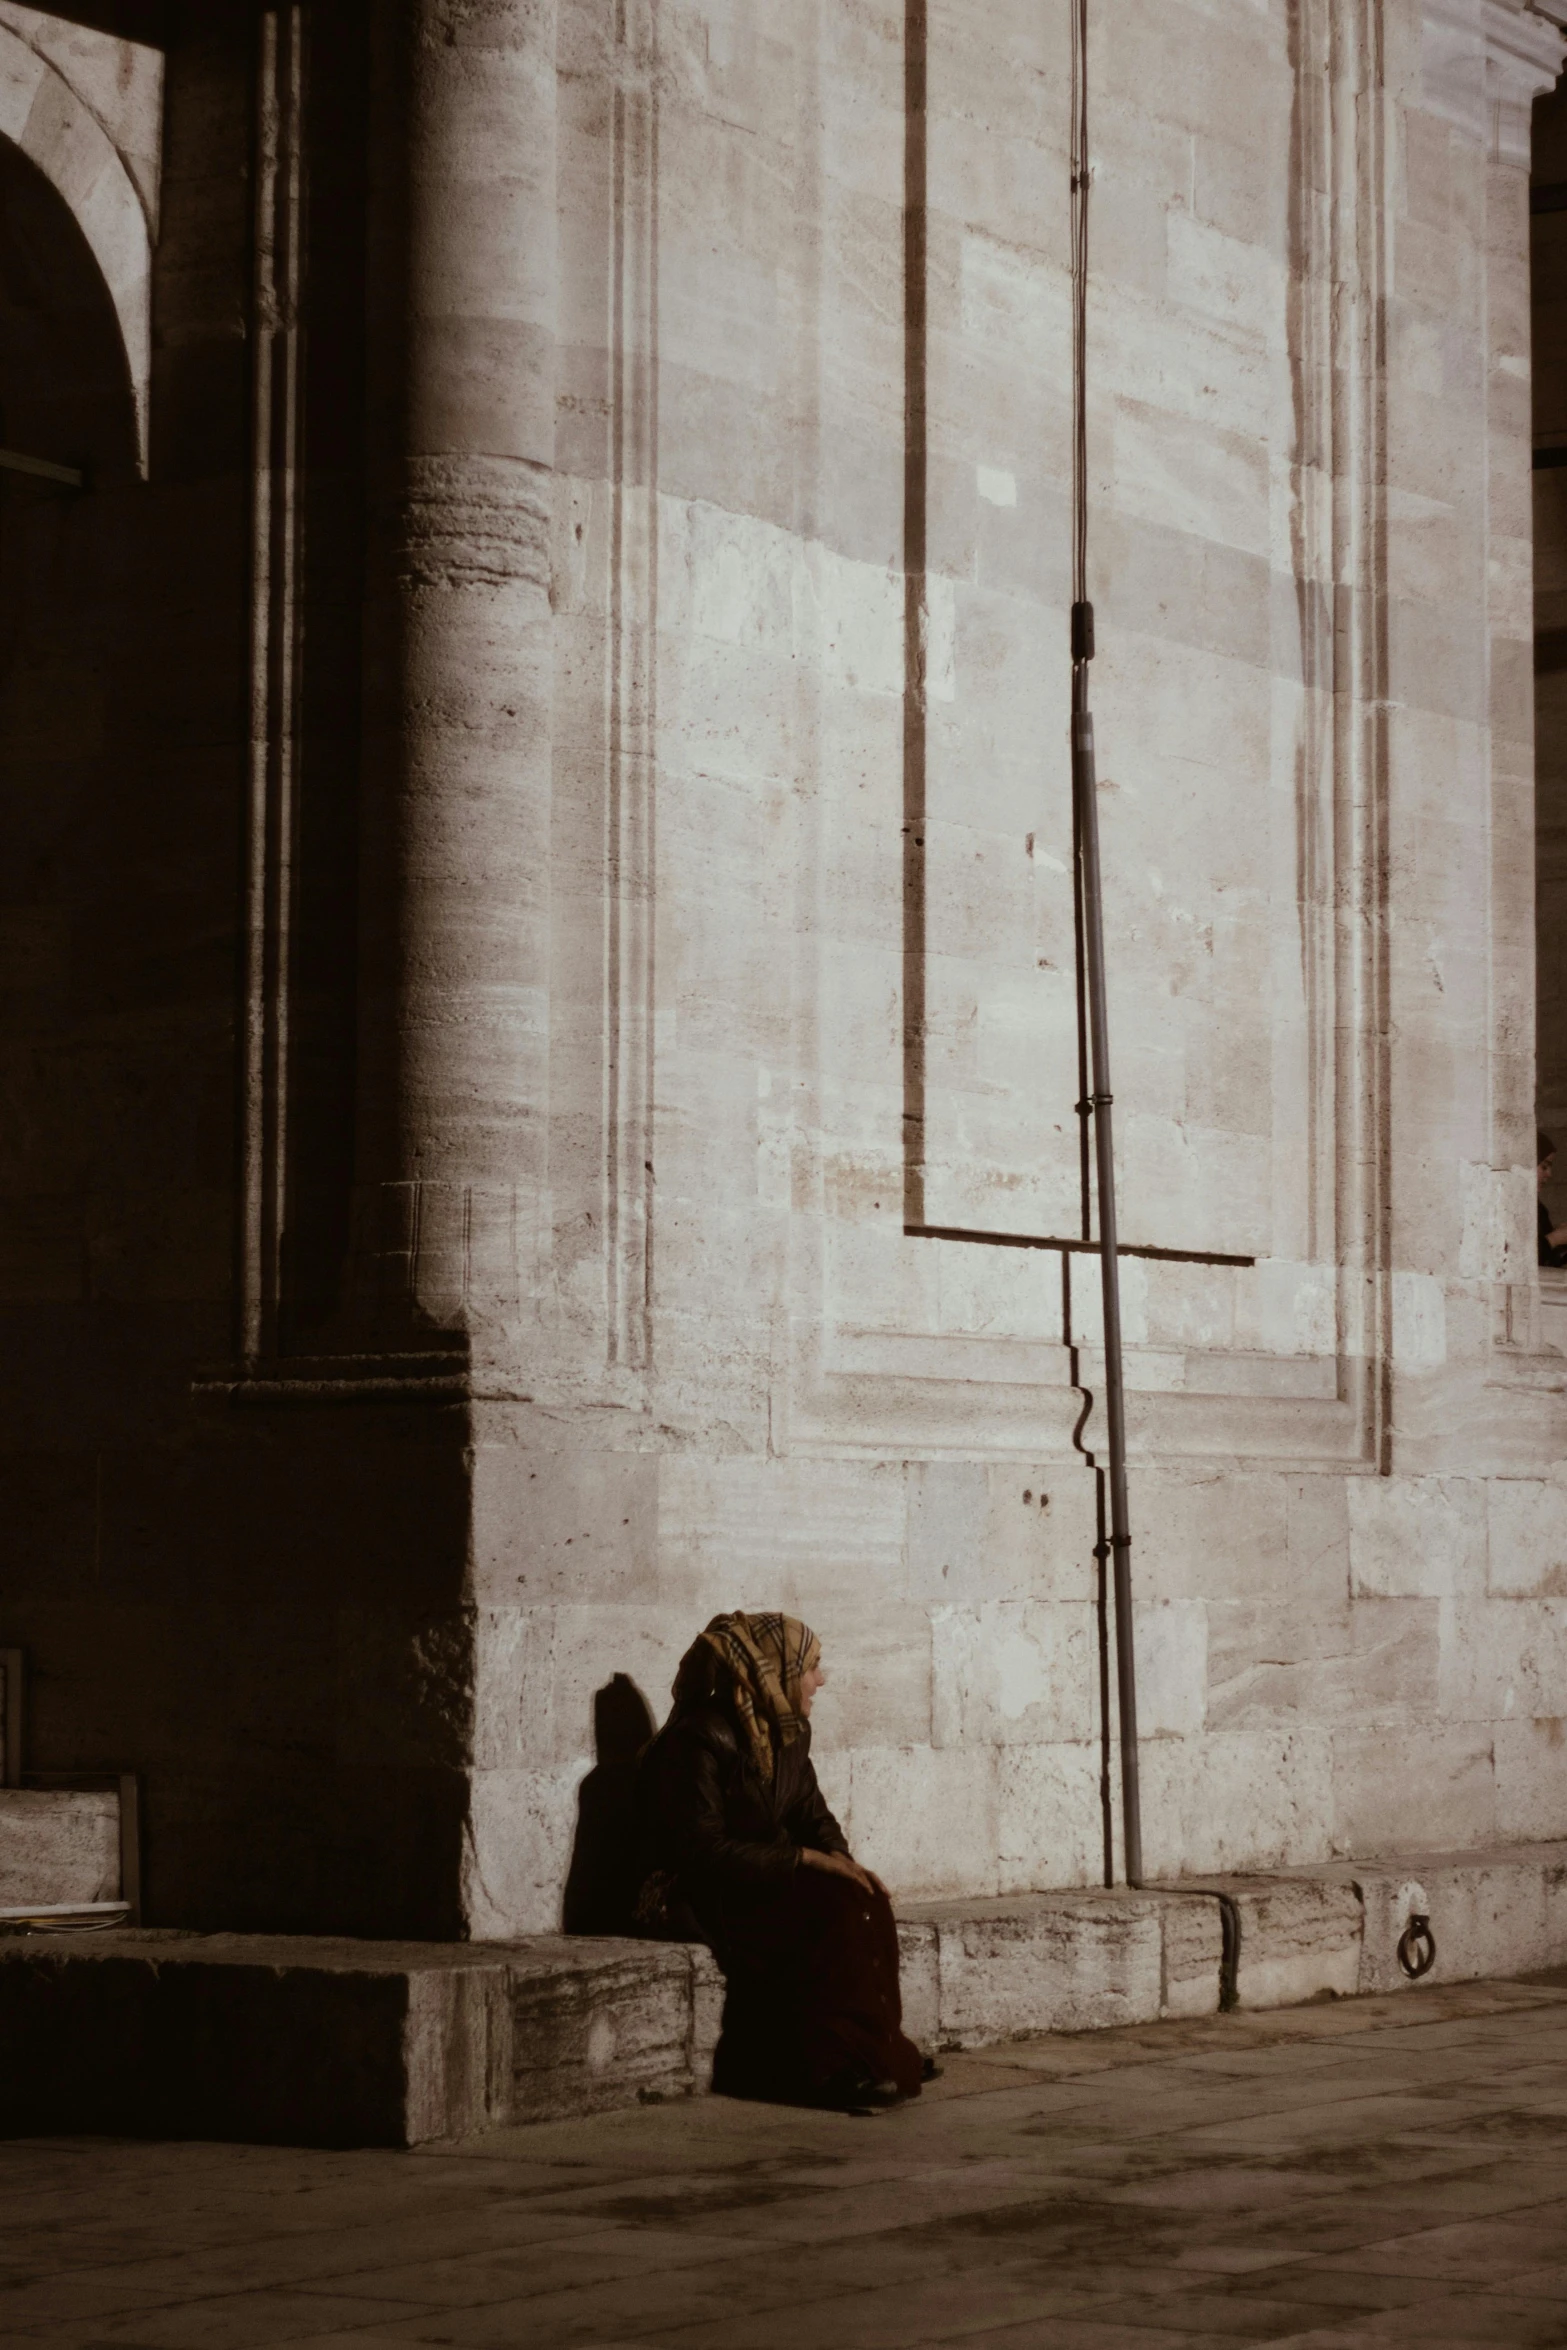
pixel 601 1884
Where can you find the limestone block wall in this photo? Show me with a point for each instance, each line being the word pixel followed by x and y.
pixel 811 580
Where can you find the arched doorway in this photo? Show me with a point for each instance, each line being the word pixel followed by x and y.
pixel 69 564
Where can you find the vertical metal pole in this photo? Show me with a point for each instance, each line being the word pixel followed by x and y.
pixel 1083 793
pixel 1085 812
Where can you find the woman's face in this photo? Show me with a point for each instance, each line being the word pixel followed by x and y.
pixel 1544 1171
pixel 809 1684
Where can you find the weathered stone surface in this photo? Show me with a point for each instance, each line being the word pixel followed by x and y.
pixel 601 2024
pixel 919 1963
pixel 1056 1962
pixel 1413 1788
pixel 320 2042
pixel 1295 1938
pixel 1414 1536
pixel 1530 1761
pixel 1527 1535
pixel 1050 1817
pixel 1494 1913
pixel 58 1845
pixel 707 2012
pixel 1236 1799
pixel 314 2042
pixel 1193 1955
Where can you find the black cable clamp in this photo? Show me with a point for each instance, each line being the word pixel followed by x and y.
pixel 1082 632
pixel 1417 1947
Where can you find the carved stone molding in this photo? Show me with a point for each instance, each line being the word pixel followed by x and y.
pixel 632 684
pixel 274 660
pixel 1483 64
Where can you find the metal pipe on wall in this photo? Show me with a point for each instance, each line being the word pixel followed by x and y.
pixel 1085 828
pixel 1087 831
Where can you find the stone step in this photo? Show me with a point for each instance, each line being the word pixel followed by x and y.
pixel 312 2041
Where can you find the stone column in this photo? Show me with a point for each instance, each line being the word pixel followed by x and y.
pixel 458 662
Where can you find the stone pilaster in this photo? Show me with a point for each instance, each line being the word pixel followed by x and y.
pixel 458 724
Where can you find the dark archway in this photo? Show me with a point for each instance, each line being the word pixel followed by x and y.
pixel 107 991
pixel 119 752
pixel 77 947
pixel 65 388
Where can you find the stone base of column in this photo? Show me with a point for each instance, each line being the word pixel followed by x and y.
pixel 427 1259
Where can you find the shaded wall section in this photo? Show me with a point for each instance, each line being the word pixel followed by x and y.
pixel 260 1610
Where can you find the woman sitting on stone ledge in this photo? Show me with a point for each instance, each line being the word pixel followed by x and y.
pixel 742 1852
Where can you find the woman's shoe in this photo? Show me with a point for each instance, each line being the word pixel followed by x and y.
pixel 854 2091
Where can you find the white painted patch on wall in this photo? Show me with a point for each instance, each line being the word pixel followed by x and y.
pixel 996 486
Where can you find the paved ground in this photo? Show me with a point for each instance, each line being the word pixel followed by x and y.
pixel 1379 2171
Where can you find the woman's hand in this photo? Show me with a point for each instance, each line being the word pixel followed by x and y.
pixel 838 1864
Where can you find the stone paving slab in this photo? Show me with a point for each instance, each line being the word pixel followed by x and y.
pixel 1067 2195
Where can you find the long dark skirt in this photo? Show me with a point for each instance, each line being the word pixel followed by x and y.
pixel 812 1972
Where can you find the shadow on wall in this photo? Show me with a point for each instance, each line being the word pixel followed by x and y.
pixel 601 1884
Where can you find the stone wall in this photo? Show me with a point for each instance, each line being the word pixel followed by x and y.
pixel 608 711
pixel 1309 453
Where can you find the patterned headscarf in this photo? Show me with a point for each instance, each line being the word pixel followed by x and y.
pixel 768 1657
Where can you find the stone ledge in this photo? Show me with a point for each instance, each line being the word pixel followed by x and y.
pixel 315 2041
pixel 979 1971
pixel 300 2040
pixel 1498 1912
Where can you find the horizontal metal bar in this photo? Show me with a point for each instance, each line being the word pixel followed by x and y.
pixel 15 462
pixel 1073 1248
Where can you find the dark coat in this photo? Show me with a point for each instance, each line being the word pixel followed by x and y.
pixel 710 1821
